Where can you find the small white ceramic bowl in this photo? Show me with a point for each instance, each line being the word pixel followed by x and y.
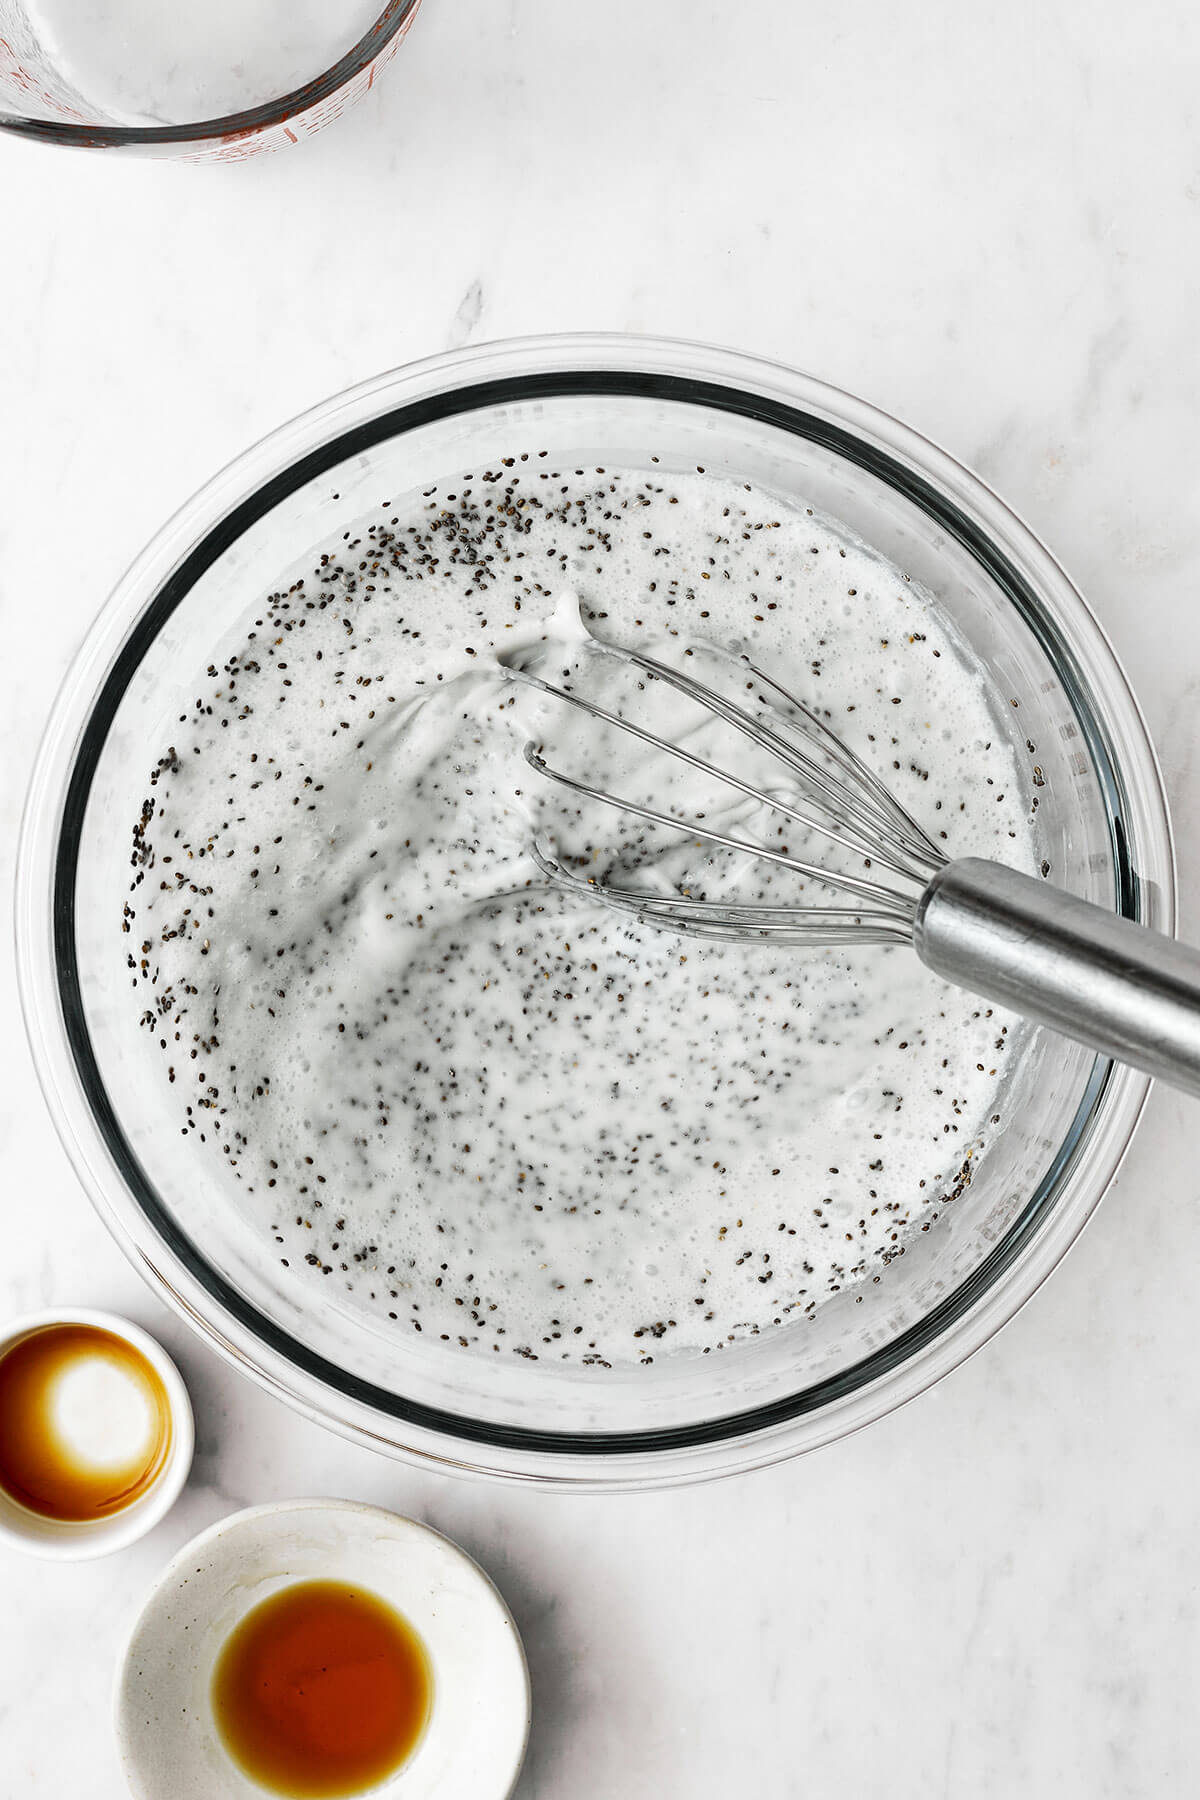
pixel 70 1540
pixel 474 1743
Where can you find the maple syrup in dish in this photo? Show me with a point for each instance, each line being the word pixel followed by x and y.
pixel 322 1690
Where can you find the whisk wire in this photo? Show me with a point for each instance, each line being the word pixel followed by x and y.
pixel 833 833
pixel 855 884
pixel 732 922
pixel 864 815
pixel 857 769
pixel 843 801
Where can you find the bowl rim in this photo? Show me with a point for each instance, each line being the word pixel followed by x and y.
pixel 458 381
pixel 249 122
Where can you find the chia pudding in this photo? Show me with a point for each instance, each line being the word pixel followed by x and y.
pixel 495 1113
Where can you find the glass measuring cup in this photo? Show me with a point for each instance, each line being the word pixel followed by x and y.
pixel 218 82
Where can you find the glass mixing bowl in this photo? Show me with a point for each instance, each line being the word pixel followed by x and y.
pixel 1074 727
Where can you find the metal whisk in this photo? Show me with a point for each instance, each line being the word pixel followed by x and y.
pixel 1120 988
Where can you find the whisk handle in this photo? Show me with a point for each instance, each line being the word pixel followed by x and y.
pixel 1118 987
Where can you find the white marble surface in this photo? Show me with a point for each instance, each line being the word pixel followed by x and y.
pixel 985 218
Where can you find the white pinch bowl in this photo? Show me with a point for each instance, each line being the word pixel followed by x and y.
pixel 77 1540
pixel 167 1735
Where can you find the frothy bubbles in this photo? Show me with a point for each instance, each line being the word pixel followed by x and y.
pixel 494 1116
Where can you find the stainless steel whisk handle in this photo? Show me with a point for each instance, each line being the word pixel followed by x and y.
pixel 1120 988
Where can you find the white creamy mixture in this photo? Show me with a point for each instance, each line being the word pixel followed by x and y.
pixel 495 1113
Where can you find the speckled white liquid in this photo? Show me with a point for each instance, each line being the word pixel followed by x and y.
pixel 503 1116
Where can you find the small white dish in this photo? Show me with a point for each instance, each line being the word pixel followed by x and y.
pixel 71 1540
pixel 474 1743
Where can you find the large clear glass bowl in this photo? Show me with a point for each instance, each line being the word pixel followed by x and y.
pixel 1063 700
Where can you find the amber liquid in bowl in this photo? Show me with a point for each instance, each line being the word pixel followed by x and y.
pixel 322 1690
pixel 85 1423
